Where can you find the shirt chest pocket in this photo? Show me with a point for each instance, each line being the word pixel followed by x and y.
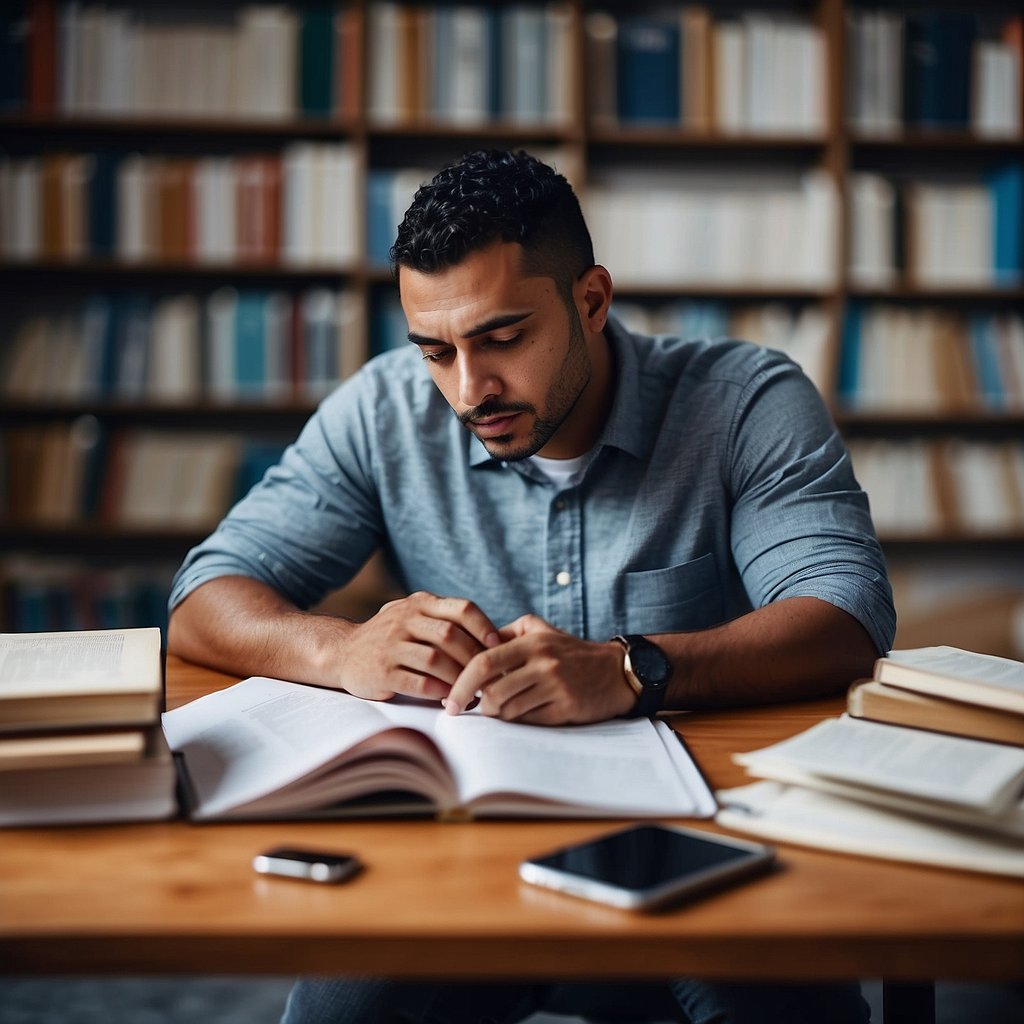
pixel 674 599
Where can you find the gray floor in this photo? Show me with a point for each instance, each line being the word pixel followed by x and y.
pixel 247 1001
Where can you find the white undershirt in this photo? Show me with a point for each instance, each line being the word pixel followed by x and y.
pixel 562 473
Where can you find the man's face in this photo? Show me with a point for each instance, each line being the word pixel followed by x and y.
pixel 508 356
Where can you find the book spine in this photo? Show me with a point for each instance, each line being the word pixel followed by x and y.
pixel 648 70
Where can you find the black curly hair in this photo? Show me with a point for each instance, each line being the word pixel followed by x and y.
pixel 489 195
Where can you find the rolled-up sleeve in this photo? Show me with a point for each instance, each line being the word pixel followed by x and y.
pixel 801 523
pixel 312 521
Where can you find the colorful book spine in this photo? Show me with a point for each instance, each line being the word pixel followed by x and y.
pixel 1006 186
pixel 648 70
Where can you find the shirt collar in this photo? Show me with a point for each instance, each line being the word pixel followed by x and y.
pixel 625 426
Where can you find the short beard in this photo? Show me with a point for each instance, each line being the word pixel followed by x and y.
pixel 573 378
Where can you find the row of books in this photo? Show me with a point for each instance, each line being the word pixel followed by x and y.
pixel 941 232
pixel 802 332
pixel 927 765
pixel 42 594
pixel 934 69
pixel 760 73
pixel 297 207
pixel 469 64
pixel 688 228
pixel 931 360
pixel 136 479
pixel 250 61
pixel 229 345
pixel 80 733
pixel 954 487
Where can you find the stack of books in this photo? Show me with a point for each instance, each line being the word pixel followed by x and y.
pixel 80 736
pixel 927 765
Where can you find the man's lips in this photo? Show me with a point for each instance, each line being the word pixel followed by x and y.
pixel 492 426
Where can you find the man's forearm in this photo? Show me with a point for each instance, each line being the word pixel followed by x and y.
pixel 796 648
pixel 244 627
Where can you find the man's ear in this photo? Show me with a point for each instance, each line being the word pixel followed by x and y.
pixel 593 291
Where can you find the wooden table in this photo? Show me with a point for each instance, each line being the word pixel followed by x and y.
pixel 444 900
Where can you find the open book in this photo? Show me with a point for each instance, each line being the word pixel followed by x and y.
pixel 956 780
pixel 267 748
pixel 102 677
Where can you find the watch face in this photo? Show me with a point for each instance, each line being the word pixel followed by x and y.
pixel 649 662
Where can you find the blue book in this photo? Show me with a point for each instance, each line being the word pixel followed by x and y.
pixel 102 203
pixel 938 69
pixel 494 62
pixel 250 343
pixel 258 457
pixel 131 348
pixel 380 228
pixel 14 29
pixel 980 330
pixel 96 331
pixel 30 607
pixel 388 327
pixel 648 66
pixel 1006 186
pixel 849 356
pixel 316 60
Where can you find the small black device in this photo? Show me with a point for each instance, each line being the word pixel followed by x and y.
pixel 308 865
pixel 646 866
pixel 647 670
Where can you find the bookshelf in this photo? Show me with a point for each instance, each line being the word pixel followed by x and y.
pixel 798 182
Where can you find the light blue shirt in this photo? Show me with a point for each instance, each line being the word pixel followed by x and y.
pixel 719 484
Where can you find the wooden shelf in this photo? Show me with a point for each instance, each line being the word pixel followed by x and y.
pixel 952 422
pixel 587 148
pixel 242 415
pixel 110 542
pixel 43 129
pixel 122 269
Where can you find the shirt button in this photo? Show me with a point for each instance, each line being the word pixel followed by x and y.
pixel 560 505
pixel 563 579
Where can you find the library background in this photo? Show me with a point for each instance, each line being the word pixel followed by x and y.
pixel 196 202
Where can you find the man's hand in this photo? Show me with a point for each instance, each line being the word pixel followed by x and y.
pixel 539 674
pixel 417 646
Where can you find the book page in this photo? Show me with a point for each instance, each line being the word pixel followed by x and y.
pixel 262 735
pixel 953 662
pixel 90 661
pixel 909 761
pixel 620 765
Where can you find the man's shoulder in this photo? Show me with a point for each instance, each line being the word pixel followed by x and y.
pixel 395 378
pixel 712 360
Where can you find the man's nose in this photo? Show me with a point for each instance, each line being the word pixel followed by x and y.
pixel 476 382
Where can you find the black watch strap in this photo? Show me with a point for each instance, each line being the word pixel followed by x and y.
pixel 647 670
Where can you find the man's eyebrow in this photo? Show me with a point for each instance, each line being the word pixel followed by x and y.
pixel 494 324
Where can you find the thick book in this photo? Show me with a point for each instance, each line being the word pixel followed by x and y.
pixel 955 674
pixel 948 778
pixel 137 783
pixel 868 698
pixel 266 748
pixel 104 677
pixel 807 817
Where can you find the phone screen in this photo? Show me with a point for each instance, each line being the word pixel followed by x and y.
pixel 645 864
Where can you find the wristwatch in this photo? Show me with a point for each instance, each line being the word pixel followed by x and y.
pixel 647 671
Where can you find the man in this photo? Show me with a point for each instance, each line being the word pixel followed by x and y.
pixel 607 525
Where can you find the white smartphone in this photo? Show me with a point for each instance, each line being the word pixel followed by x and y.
pixel 644 867
pixel 307 865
